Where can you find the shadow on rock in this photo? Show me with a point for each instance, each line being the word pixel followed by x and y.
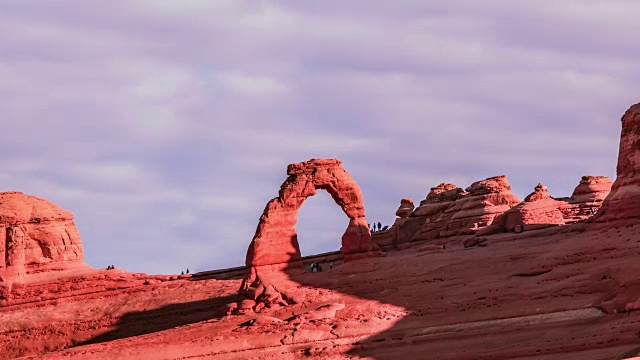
pixel 163 318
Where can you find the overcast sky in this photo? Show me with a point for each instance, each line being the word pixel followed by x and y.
pixel 165 126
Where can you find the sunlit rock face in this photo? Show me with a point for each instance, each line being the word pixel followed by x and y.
pixel 35 233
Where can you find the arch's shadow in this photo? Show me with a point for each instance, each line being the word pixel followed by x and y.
pixel 163 318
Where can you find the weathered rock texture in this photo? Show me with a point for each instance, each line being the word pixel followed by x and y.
pixel 403 230
pixel 449 211
pixel 403 227
pixel 276 240
pixel 34 233
pixel 540 210
pixel 405 209
pixel 473 209
pixel 592 189
pixel 624 199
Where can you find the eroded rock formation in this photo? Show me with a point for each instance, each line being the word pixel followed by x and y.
pixel 405 209
pixel 592 189
pixel 472 209
pixel 540 210
pixel 624 199
pixel 276 240
pixel 35 233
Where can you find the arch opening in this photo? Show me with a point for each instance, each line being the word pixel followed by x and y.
pixel 320 225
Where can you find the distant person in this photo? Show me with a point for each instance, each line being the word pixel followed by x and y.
pixel 330 266
pixel 319 268
pixel 379 225
pixel 182 273
pixel 187 271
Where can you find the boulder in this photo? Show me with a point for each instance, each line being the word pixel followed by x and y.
pixel 406 208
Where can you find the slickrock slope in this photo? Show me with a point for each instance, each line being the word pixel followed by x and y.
pixel 474 209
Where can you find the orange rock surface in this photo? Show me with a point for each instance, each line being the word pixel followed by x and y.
pixel 36 237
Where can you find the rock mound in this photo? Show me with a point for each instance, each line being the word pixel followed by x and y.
pixel 405 209
pixel 35 232
pixel 539 193
pixel 592 189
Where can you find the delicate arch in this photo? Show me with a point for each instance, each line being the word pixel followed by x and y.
pixel 276 240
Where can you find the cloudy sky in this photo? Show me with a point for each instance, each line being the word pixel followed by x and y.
pixel 165 126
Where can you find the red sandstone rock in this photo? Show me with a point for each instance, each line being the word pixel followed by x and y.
pixel 624 199
pixel 405 209
pixel 438 199
pixel 592 189
pixel 442 193
pixel 540 210
pixel 537 211
pixel 474 209
pixel 539 193
pixel 276 240
pixel 34 233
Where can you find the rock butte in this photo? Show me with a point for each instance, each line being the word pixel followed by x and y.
pixel 36 236
pixel 469 273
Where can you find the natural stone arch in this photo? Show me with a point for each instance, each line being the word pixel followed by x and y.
pixel 276 239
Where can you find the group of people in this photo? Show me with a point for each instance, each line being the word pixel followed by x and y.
pixel 110 267
pixel 378 227
pixel 184 272
pixel 315 267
